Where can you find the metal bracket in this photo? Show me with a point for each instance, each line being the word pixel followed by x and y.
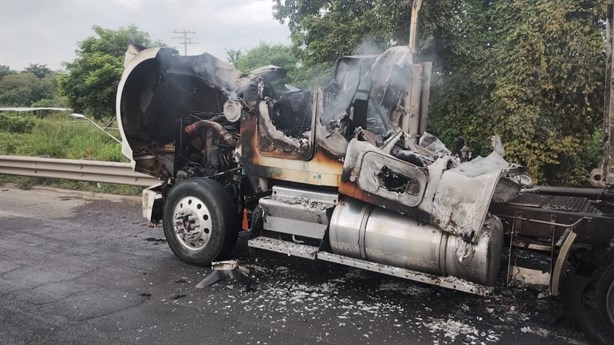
pixel 560 262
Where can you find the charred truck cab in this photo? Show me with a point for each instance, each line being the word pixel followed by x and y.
pixel 347 173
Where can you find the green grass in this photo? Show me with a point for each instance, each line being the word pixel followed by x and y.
pixel 60 136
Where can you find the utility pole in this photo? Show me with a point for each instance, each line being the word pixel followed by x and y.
pixel 185 40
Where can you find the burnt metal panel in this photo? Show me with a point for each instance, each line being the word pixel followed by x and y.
pixel 458 201
pixel 298 211
pixel 373 176
pixel 461 203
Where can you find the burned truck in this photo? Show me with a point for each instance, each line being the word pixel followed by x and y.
pixel 347 173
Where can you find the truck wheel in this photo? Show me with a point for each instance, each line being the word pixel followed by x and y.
pixel 200 223
pixel 605 300
pixel 589 304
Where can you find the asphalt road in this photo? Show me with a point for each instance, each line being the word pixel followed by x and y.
pixel 78 268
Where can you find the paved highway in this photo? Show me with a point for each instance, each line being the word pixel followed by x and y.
pixel 79 268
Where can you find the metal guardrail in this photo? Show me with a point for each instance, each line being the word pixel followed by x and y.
pixel 72 169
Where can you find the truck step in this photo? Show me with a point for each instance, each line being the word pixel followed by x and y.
pixel 297 211
pixel 525 275
pixel 447 282
pixel 313 253
pixel 284 247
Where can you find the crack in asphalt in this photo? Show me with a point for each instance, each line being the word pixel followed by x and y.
pixel 89 318
pixel 32 288
pixel 58 300
pixel 11 270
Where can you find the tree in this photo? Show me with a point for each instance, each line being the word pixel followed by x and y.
pixel 265 54
pixel 29 87
pixel 323 30
pixel 5 70
pixel 233 55
pixel 40 71
pixel 530 71
pixel 550 95
pixel 533 73
pixel 90 81
pixel 17 89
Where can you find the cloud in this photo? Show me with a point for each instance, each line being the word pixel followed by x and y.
pixel 47 32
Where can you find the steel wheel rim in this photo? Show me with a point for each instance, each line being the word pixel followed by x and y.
pixel 192 223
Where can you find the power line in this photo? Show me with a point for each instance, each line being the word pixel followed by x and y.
pixel 185 40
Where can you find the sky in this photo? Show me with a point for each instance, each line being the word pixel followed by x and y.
pixel 47 31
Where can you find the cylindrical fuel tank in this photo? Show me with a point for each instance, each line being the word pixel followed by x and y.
pixel 371 233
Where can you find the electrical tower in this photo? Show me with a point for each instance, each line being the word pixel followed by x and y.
pixel 184 39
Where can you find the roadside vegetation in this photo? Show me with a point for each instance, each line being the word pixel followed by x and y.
pixel 530 71
pixel 55 136
pixel 58 136
pixel 87 85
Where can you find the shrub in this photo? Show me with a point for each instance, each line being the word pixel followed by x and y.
pixel 15 124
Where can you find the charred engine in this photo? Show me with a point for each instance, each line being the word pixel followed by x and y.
pixel 204 145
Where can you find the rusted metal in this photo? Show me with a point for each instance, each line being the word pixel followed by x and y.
pixel 320 169
pixel 224 134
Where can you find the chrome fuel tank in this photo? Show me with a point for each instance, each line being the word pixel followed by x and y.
pixel 371 233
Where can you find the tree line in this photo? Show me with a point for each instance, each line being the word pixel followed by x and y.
pixel 35 85
pixel 87 84
pixel 530 71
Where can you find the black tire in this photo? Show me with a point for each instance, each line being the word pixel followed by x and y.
pixel 200 221
pixel 585 301
pixel 605 301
